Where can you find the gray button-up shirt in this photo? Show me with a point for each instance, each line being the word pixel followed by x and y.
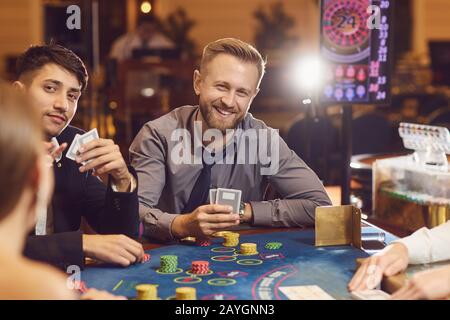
pixel 166 154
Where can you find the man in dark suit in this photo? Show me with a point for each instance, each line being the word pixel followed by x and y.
pixel 103 190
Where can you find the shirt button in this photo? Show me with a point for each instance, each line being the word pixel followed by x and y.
pixel 59 165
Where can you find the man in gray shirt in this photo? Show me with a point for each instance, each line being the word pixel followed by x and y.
pixel 218 144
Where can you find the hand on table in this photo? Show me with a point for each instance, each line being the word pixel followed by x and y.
pixel 204 221
pixel 390 261
pixel 429 284
pixel 115 249
pixel 105 159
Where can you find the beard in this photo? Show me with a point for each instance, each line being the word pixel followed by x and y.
pixel 215 121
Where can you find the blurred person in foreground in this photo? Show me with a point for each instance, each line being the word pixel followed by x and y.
pixel 25 191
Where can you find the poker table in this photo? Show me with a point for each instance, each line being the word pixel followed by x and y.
pixel 236 277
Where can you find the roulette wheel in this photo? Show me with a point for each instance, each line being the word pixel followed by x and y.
pixel 345 35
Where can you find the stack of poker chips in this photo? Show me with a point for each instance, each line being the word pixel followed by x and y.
pixel 248 249
pixel 146 292
pixel 273 245
pixel 146 258
pixel 169 264
pixel 185 293
pixel 200 267
pixel 203 242
pixel 231 239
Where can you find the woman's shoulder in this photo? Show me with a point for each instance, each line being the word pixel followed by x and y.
pixel 24 279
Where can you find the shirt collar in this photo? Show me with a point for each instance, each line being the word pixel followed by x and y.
pixel 55 143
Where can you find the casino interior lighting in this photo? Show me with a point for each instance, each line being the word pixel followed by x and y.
pixel 146 7
pixel 308 73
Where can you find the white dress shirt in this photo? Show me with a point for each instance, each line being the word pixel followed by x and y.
pixel 428 245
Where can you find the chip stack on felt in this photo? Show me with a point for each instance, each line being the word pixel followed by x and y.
pixel 146 292
pixel 200 267
pixel 169 264
pixel 231 239
pixel 203 242
pixel 146 258
pixel 248 249
pixel 273 245
pixel 185 293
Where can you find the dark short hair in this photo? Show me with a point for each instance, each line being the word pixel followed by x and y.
pixel 37 57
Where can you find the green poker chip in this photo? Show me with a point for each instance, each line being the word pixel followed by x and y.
pixel 169 258
pixel 166 271
pixel 273 245
pixel 169 264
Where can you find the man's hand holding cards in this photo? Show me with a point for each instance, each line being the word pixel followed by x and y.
pixel 229 197
pixel 103 156
pixel 233 198
pixel 222 213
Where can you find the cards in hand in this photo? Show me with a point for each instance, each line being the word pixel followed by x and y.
pixel 80 140
pixel 229 197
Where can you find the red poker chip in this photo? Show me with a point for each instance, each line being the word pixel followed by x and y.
pixel 199 271
pixel 82 288
pixel 200 267
pixel 203 243
pixel 146 258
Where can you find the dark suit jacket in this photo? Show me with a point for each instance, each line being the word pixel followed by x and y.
pixel 81 195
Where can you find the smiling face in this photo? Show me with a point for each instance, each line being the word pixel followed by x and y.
pixel 226 88
pixel 55 92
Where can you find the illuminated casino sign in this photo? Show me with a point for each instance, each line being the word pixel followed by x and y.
pixel 355 47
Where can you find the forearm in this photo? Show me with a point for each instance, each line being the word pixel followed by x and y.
pixel 158 224
pixel 427 246
pixel 109 211
pixel 60 250
pixel 125 185
pixel 121 214
pixel 285 213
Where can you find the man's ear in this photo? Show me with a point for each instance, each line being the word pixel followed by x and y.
pixel 196 81
pixel 18 85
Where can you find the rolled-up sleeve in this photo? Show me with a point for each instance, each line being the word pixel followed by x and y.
pixel 300 189
pixel 147 156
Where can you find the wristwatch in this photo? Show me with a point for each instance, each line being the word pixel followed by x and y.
pixel 241 210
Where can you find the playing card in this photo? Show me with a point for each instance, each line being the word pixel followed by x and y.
pixel 370 295
pixel 305 293
pixel 73 149
pixel 212 196
pixel 80 140
pixel 230 197
pixel 88 137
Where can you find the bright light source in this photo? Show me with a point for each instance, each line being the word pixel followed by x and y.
pixel 308 73
pixel 148 92
pixel 146 7
pixel 307 101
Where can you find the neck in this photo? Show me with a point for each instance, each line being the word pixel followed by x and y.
pixel 12 235
pixel 13 227
pixel 48 138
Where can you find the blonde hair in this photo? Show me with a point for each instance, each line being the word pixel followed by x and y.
pixel 236 48
pixel 20 140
